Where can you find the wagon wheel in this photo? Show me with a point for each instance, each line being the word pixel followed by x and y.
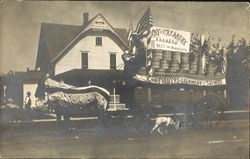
pixel 142 121
pixel 189 118
pixel 128 121
pixel 208 111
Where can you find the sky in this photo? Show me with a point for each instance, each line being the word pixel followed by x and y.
pixel 20 22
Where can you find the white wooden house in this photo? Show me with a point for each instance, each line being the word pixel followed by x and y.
pixel 86 54
pixel 95 45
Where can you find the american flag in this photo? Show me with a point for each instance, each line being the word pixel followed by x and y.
pixel 145 23
pixel 143 33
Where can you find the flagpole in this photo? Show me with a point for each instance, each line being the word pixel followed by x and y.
pixel 202 39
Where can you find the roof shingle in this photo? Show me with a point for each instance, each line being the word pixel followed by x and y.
pixel 57 36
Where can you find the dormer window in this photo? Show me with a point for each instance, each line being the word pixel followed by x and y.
pixel 98 41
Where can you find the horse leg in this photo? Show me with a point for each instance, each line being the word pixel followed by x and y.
pixel 58 117
pixel 58 120
pixel 66 118
pixel 106 122
pixel 103 124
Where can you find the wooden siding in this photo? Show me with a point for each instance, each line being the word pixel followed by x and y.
pixel 98 56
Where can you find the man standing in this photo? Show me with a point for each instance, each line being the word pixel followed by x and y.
pixel 28 101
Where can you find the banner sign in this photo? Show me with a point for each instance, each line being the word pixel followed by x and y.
pixel 180 80
pixel 170 39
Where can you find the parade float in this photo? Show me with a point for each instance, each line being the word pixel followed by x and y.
pixel 173 71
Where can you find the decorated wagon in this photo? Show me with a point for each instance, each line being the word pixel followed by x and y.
pixel 172 72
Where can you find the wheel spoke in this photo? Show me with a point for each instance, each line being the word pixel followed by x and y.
pixel 208 110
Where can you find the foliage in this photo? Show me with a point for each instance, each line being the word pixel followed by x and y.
pixel 213 46
pixel 208 47
pixel 195 43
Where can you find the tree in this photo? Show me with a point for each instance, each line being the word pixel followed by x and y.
pixel 237 72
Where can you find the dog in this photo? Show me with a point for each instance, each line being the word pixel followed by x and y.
pixel 167 120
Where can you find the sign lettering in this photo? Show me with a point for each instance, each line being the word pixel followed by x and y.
pixel 170 39
pixel 181 80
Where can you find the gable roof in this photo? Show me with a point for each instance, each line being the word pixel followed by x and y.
pixel 57 36
pixel 54 38
pixel 92 24
pixel 122 33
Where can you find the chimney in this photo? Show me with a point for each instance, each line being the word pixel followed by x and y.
pixel 85 18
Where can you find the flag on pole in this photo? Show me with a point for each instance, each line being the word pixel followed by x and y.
pixel 143 35
pixel 224 65
pixel 203 63
pixel 202 39
pixel 130 31
pixel 129 36
pixel 203 55
pixel 143 27
pixel 145 23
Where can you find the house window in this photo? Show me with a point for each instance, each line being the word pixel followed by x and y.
pixel 98 41
pixel 113 61
pixel 85 61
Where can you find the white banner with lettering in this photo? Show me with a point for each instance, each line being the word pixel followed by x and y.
pixel 170 39
pixel 181 80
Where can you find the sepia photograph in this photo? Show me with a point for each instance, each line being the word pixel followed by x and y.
pixel 124 79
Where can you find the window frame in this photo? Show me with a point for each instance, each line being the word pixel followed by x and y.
pixel 96 41
pixel 112 67
pixel 87 65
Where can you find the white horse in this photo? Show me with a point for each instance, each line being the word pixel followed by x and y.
pixel 167 120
